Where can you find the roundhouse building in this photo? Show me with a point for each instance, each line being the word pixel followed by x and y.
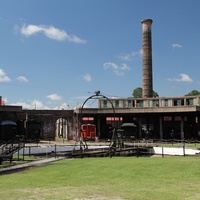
pixel 157 117
pixel 154 117
pixel 160 117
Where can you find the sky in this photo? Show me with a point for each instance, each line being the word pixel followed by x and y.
pixel 54 54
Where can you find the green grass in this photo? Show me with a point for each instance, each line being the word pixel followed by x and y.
pixel 114 178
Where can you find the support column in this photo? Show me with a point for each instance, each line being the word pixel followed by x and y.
pixel 198 129
pixel 182 128
pixel 161 127
pixel 99 127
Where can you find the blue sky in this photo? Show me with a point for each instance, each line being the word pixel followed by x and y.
pixel 54 54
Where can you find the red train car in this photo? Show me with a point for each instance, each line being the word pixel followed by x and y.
pixel 88 131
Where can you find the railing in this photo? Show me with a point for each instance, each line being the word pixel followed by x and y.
pixel 129 147
pixel 7 149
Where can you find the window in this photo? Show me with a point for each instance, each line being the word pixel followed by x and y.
pixel 155 103
pixel 129 103
pixel 140 103
pixel 165 103
pixel 133 103
pixel 178 102
pixel 117 103
pixel 189 102
pixel 105 104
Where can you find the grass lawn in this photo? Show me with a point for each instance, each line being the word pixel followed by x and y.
pixel 114 178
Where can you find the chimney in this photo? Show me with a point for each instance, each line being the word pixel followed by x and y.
pixel 147 86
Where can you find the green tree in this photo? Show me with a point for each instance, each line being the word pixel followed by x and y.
pixel 155 94
pixel 193 93
pixel 137 93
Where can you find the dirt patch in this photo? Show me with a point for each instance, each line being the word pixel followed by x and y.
pixel 99 197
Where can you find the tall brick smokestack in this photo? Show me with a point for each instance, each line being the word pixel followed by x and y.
pixel 147 85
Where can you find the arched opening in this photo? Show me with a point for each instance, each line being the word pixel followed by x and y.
pixel 61 128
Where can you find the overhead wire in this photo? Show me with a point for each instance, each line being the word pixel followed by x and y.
pixel 61 89
pixel 46 88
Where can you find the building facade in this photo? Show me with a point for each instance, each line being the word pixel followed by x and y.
pixel 155 117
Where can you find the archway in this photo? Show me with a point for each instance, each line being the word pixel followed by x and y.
pixel 61 128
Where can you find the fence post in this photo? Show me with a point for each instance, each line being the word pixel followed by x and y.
pixel 18 149
pixel 23 150
pixel 162 152
pixel 55 151
pixel 184 148
pixel 29 151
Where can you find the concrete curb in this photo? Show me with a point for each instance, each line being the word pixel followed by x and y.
pixel 36 163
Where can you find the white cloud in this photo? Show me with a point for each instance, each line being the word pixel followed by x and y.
pixel 63 106
pixel 3 76
pixel 22 79
pixel 130 56
pixel 118 70
pixel 183 78
pixel 51 32
pixel 54 97
pixel 35 104
pixel 175 45
pixel 125 67
pixel 87 77
pixel 110 65
pixel 38 105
